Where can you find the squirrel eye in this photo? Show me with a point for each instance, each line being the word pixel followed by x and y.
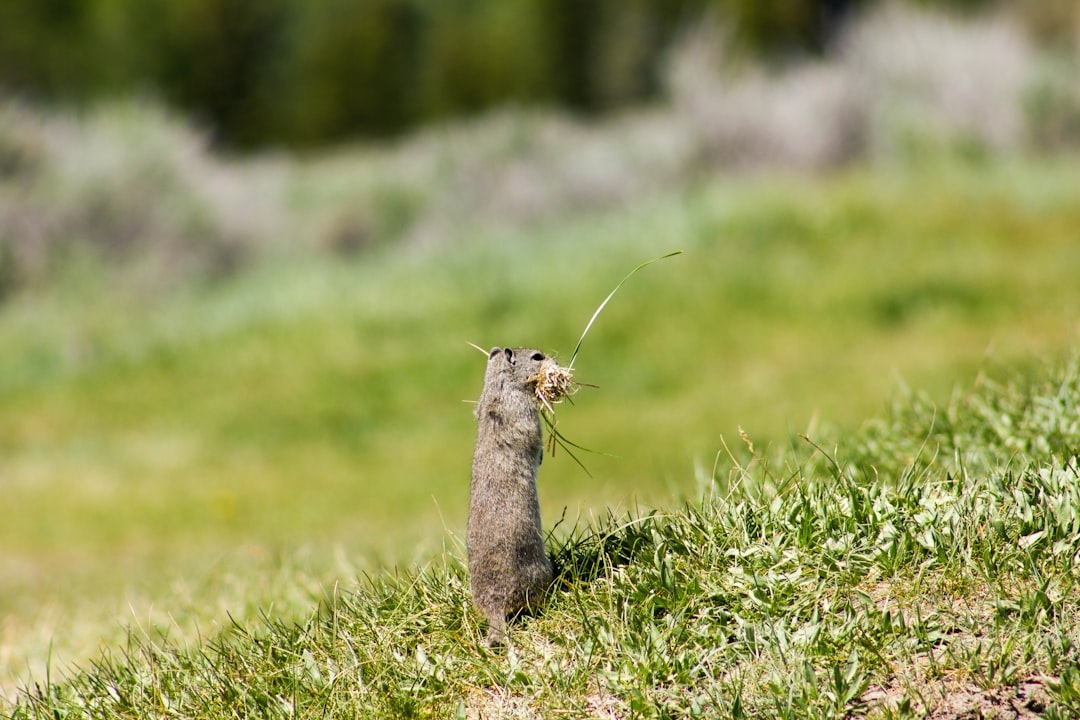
pixel 538 356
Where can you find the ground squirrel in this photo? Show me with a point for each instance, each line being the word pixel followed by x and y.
pixel 509 569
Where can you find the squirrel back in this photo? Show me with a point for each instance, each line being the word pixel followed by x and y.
pixel 509 569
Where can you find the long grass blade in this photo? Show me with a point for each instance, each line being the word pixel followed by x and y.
pixel 564 441
pixel 556 438
pixel 611 295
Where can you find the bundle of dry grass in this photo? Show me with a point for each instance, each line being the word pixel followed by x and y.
pixel 553 383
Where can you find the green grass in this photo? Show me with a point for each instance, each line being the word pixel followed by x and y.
pixel 925 563
pixel 174 459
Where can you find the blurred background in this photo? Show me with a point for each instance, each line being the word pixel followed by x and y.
pixel 244 245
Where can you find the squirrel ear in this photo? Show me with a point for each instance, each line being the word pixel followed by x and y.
pixel 509 355
pixel 494 351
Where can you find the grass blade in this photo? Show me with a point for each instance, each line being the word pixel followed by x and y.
pixel 611 295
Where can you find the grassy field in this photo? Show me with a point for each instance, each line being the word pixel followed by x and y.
pixel 924 566
pixel 240 447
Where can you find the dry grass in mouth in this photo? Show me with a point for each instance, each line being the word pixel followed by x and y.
pixel 553 383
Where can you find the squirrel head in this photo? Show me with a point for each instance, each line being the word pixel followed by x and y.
pixel 510 369
pixel 524 363
pixel 524 378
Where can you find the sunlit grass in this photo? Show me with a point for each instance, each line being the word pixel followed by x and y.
pixel 319 406
pixel 925 564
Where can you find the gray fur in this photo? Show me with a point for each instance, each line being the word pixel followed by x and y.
pixel 509 569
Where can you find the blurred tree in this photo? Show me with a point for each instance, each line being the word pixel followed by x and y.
pixel 352 68
pixel 780 29
pixel 569 32
pixel 631 43
pixel 606 53
pixel 216 59
pixel 43 47
pixel 304 72
pixel 482 53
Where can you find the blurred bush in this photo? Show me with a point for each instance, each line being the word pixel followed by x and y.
pixel 128 186
pixel 305 72
pixel 123 187
pixel 941 83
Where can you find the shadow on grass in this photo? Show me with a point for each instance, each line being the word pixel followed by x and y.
pixel 586 553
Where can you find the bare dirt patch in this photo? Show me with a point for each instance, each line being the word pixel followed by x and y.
pixel 1027 700
pixel 1024 701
